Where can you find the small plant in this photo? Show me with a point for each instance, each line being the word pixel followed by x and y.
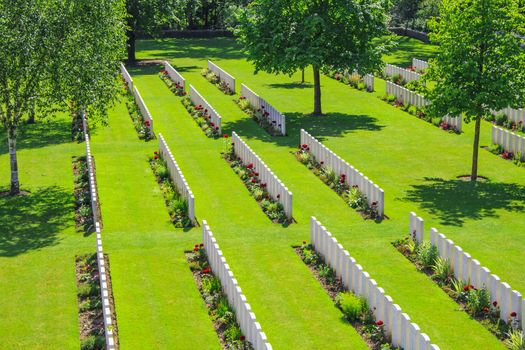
pixel 93 342
pixel 427 254
pixel 202 117
pixel 442 271
pixel 350 305
pixel 515 340
pixel 477 301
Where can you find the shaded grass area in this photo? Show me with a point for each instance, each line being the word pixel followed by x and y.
pixel 157 303
pixel 38 242
pixel 388 145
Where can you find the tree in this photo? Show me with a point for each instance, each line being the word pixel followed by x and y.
pixel 93 49
pixel 284 36
pixel 43 43
pixel 405 12
pixel 480 67
pixel 149 16
pixel 29 39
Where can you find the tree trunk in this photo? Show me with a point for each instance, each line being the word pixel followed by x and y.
pixel 131 46
pixel 31 118
pixel 302 76
pixel 317 92
pixel 11 140
pixel 475 151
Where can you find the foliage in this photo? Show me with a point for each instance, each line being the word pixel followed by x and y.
pixel 477 301
pixel 176 203
pixel 141 125
pixel 476 41
pixel 350 305
pixel 260 116
pixel 216 80
pixel 427 254
pixel 282 36
pixel 202 117
pixel 82 193
pixel 93 342
pixel 516 340
pixel 216 300
pixel 442 271
pixel 175 87
pixel 250 177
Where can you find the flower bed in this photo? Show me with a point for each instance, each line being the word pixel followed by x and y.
pixel 476 302
pixel 89 303
pixel 501 119
pixel 273 209
pixel 141 126
pixel 216 80
pixel 177 205
pixel 421 113
pixel 175 87
pixel 354 308
pixel 83 209
pixel 516 158
pixel 351 195
pixel 356 81
pixel 201 117
pixel 260 116
pixel 219 309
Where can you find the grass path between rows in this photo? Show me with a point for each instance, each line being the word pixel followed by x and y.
pixel 276 283
pixel 157 303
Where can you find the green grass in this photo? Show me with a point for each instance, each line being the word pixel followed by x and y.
pixel 415 162
pixel 38 242
pixel 157 302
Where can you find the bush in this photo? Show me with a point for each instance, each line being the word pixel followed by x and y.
pixel 86 290
pixel 442 271
pixel 233 333
pixel 516 340
pixel 427 254
pixel 391 98
pixel 327 273
pixel 500 118
pixel 350 305
pixel 93 343
pixel 211 285
pixel 412 110
pixel 477 301
pixel 436 121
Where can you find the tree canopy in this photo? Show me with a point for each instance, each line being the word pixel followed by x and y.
pixel 283 36
pixel 480 67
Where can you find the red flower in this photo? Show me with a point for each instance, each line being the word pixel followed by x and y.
pixel 155 152
pixel 216 128
pixel 147 123
pixel 254 181
pixel 206 270
pixel 485 309
pixel 196 246
pixel 195 249
pixel 304 146
pixel 256 174
pixel 278 196
pixel 379 323
pixel 156 157
pixel 242 338
pixel 201 245
pixel 212 124
pixel 495 304
pixel 249 166
pixel 225 136
pixel 513 314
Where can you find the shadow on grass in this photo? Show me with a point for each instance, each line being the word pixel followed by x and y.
pixel 32 221
pixel 44 133
pixel 294 85
pixel 454 201
pixel 330 125
pixel 408 48
pixel 212 48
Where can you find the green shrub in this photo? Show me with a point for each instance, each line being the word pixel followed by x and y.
pixel 232 333
pixel 211 285
pixel 310 257
pixel 478 300
pixel 245 105
pixel 442 270
pixel 327 273
pixel 427 254
pixel 500 118
pixel 391 98
pixel 491 117
pixel 361 86
pixel 515 340
pixel 93 343
pixel 86 290
pixel 412 110
pixel 329 176
pixel 437 121
pixel 350 305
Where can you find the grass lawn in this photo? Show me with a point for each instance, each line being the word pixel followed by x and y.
pixel 413 161
pixel 38 242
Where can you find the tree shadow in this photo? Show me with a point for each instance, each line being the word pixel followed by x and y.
pixel 32 221
pixel 43 133
pixel 202 48
pixel 408 48
pixel 149 69
pixel 454 201
pixel 321 127
pixel 294 85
